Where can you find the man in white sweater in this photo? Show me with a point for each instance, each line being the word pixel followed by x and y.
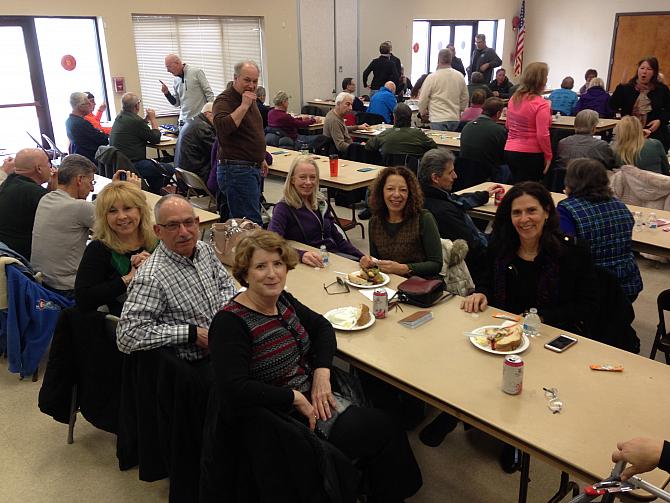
pixel 444 95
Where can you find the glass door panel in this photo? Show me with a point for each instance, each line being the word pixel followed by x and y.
pixel 463 43
pixel 419 57
pixel 440 36
pixel 18 112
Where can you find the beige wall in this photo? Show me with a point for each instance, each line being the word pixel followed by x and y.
pixel 280 22
pixel 392 20
pixel 577 34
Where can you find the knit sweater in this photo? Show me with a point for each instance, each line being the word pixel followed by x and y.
pixel 415 242
pixel 260 359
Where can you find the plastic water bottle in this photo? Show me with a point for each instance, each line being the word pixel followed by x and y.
pixel 638 221
pixel 651 223
pixel 304 149
pixel 324 255
pixel 531 323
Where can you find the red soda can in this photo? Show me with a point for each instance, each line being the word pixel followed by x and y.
pixel 380 303
pixel 512 383
pixel 498 197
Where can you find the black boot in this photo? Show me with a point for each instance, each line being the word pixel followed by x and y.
pixel 433 434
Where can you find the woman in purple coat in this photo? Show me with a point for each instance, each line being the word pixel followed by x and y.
pixel 303 215
pixel 595 98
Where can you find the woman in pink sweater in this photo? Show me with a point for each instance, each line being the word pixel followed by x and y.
pixel 528 147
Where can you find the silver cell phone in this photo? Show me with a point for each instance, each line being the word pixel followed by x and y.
pixel 561 343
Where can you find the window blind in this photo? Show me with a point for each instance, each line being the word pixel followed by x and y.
pixel 214 44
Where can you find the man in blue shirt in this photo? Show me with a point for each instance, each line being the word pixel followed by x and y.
pixel 564 99
pixel 383 102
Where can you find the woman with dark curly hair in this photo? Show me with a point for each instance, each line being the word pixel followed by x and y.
pixel 646 98
pixel 532 264
pixel 404 238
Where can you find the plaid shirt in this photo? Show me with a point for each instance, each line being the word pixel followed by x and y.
pixel 168 293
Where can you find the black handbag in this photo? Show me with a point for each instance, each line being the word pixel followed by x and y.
pixel 421 292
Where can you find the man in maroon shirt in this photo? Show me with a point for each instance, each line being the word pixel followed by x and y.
pixel 239 127
pixel 279 118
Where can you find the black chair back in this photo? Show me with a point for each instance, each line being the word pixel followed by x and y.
pixel 313 110
pixel 368 118
pixel 410 161
pixel 324 145
pixel 469 172
pixel 662 339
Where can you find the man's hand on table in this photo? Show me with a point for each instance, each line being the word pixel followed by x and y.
pixel 474 303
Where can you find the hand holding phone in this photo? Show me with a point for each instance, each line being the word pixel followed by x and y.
pixel 561 343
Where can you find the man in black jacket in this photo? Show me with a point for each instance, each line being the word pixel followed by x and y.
pixel 194 145
pixel 382 68
pixel 437 177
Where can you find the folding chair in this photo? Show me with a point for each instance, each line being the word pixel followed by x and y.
pixel 662 339
pixel 197 191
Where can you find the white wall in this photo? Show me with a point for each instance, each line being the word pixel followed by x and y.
pixel 574 35
pixel 392 20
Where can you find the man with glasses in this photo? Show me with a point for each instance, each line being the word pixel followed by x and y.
pixel 19 196
pixel 84 137
pixel 131 134
pixel 177 291
pixel 63 221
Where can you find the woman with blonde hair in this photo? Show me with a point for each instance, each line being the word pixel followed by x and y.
pixel 123 238
pixel 303 215
pixel 631 147
pixel 528 148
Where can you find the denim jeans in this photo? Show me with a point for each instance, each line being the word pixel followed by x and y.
pixel 444 126
pixel 155 176
pixel 241 182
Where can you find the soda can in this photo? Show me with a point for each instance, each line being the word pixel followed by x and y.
pixel 512 383
pixel 380 303
pixel 498 197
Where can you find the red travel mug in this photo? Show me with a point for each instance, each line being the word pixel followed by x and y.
pixel 333 165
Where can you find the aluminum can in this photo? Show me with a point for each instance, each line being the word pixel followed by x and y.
pixel 380 303
pixel 498 197
pixel 512 382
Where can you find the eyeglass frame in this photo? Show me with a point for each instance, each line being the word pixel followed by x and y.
pixel 555 404
pixel 189 223
pixel 338 281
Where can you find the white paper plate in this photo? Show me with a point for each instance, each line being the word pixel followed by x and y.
pixel 358 273
pixel 525 342
pixel 352 329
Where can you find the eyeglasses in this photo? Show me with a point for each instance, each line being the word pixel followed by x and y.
pixel 189 223
pixel 338 284
pixel 555 404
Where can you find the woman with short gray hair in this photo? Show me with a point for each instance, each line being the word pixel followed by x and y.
pixel 584 144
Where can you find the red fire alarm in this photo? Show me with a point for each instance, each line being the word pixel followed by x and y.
pixel 119 84
pixel 68 62
pixel 415 47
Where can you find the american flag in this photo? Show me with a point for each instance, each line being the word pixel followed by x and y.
pixel 520 36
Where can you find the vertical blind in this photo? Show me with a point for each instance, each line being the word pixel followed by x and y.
pixel 214 44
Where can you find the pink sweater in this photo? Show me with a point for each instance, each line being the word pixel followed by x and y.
pixel 528 123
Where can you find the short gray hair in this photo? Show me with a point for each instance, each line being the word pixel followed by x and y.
pixel 585 121
pixel 74 165
pixel 129 101
pixel 241 64
pixel 77 99
pixel 444 57
pixel 260 93
pixel 480 36
pixel 434 161
pixel 166 198
pixel 340 97
pixel 597 82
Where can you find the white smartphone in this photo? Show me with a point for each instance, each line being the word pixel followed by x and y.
pixel 561 343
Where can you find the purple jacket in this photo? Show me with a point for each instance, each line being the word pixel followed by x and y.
pixel 595 98
pixel 318 231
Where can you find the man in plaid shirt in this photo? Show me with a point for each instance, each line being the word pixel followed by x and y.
pixel 177 291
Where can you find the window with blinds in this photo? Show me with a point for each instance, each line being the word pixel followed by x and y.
pixel 214 44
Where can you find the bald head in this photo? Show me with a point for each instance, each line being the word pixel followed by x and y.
pixel 390 85
pixel 173 64
pixel 129 102
pixel 33 163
